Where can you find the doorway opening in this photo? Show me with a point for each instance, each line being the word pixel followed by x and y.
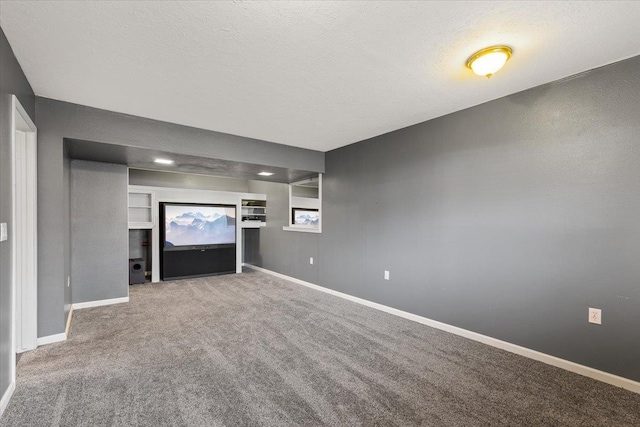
pixel 24 231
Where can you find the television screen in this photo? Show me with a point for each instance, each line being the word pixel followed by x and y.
pixel 196 225
pixel 308 217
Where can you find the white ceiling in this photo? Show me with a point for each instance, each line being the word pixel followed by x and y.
pixel 318 75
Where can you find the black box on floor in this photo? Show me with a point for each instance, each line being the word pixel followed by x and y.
pixel 136 271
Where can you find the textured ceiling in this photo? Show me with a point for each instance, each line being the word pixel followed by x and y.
pixel 317 75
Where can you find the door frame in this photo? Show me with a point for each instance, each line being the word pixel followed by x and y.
pixel 24 314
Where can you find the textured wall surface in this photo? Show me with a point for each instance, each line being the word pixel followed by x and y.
pixel 12 82
pixel 509 219
pixel 99 235
pixel 53 260
pixel 185 180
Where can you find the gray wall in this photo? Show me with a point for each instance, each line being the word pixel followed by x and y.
pixel 286 252
pixel 53 259
pixel 12 82
pixel 186 180
pixel 509 219
pixel 99 235
pixel 59 120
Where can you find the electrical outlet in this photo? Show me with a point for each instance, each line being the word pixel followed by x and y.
pixel 68 281
pixel 386 275
pixel 311 260
pixel 595 316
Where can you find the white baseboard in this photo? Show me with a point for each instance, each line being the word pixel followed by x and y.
pixel 99 303
pixel 512 348
pixel 50 339
pixel 4 402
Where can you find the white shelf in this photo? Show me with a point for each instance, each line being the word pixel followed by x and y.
pixel 301 229
pixel 254 208
pixel 141 210
pixel 252 224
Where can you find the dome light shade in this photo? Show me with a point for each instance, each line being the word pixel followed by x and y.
pixel 488 61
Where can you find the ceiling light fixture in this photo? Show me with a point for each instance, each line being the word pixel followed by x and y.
pixel 265 173
pixel 488 61
pixel 164 161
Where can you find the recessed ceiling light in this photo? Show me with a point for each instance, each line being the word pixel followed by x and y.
pixel 265 173
pixel 488 61
pixel 164 161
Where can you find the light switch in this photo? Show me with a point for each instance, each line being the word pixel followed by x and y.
pixel 3 232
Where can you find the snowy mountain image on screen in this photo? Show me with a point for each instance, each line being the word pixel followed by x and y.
pixel 200 215
pixel 199 225
pixel 307 218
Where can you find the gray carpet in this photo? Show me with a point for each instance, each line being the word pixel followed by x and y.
pixel 251 350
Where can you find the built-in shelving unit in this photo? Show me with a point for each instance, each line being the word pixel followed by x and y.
pixel 254 213
pixel 141 210
pixel 305 206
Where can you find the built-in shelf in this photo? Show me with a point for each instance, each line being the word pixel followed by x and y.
pixel 252 224
pixel 254 213
pixel 141 210
pixel 305 206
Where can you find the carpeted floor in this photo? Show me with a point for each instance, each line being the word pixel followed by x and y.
pixel 252 350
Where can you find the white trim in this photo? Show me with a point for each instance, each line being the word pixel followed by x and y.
pixel 304 203
pixel 586 371
pixel 252 224
pixel 24 114
pixel 50 339
pixel 4 402
pixel 99 303
pixel 69 317
pixel 301 229
pixel 28 294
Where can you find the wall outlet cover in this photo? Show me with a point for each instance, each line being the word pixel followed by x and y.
pixel 595 316
pixel 386 275
pixel 311 260
pixel 3 232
